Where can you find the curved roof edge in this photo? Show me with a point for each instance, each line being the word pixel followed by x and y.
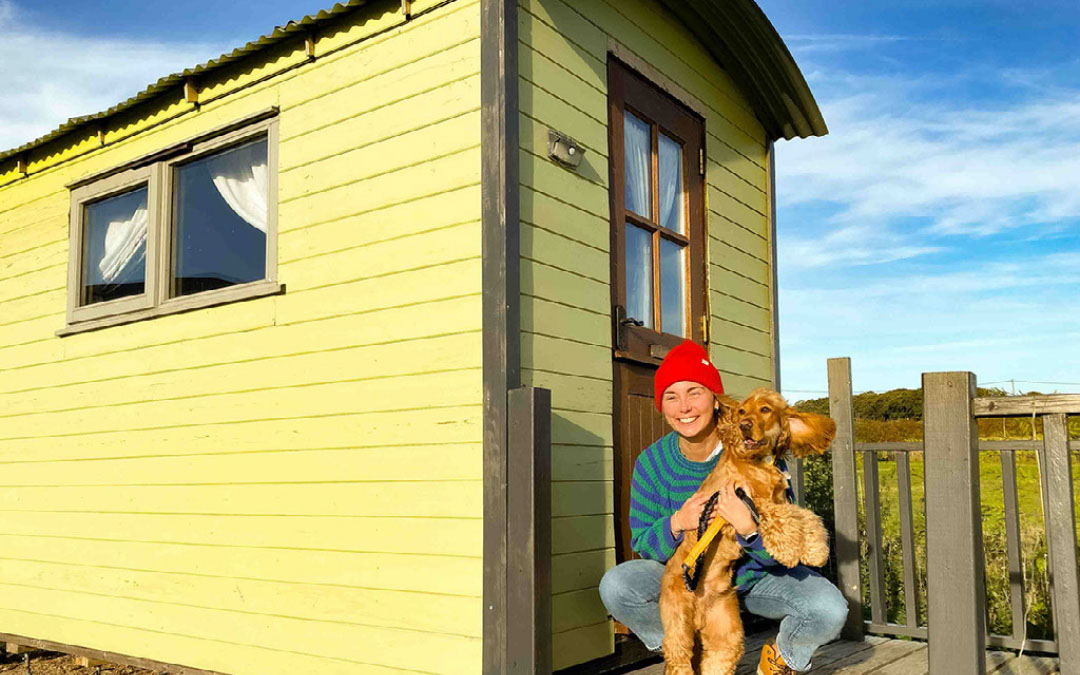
pixel 176 80
pixel 744 41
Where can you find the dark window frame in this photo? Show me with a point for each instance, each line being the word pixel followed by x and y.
pixel 156 171
pixel 628 90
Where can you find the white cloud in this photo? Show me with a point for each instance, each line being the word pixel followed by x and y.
pixel 49 76
pixel 961 169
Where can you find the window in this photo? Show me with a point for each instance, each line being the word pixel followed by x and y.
pixel 191 226
pixel 658 222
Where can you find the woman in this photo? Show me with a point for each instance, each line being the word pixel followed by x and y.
pixel 664 503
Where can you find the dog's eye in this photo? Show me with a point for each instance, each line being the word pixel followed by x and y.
pixel 741 411
pixel 765 409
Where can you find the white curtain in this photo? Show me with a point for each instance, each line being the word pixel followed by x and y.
pixel 240 178
pixel 125 241
pixel 638 139
pixel 671 202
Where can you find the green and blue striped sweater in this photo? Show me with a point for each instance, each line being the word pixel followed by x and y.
pixel 663 479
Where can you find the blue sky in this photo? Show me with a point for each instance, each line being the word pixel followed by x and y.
pixel 935 228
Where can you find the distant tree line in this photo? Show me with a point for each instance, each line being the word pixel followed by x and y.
pixel 895 404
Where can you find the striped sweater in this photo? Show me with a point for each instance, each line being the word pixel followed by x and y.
pixel 663 479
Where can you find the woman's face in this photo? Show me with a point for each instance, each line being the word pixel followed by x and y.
pixel 688 407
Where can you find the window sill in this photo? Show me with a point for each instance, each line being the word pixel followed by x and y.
pixel 258 289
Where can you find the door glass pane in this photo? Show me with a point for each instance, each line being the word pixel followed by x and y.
pixel 639 279
pixel 672 203
pixel 114 248
pixel 672 288
pixel 221 216
pixel 638 159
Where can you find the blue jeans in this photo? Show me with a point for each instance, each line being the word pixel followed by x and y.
pixel 810 609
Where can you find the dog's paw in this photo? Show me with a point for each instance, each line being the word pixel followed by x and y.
pixel 817 542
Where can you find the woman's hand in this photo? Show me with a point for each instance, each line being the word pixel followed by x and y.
pixel 689 514
pixel 732 509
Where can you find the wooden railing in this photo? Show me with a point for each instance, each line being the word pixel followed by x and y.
pixel 956 612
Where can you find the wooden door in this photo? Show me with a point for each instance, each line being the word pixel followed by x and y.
pixel 656 146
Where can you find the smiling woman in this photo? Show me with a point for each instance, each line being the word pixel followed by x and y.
pixel 666 501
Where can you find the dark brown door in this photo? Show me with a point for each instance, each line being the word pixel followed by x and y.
pixel 656 146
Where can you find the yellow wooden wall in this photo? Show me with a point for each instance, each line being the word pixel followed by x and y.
pixel 565 237
pixel 291 484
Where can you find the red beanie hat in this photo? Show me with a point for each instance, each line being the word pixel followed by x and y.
pixel 687 362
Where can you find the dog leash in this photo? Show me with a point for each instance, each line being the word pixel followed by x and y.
pixel 691 567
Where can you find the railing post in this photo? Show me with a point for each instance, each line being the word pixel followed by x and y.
pixel 1062 530
pixel 528 555
pixel 955 584
pixel 845 495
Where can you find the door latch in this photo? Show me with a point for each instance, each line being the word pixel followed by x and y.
pixel 621 323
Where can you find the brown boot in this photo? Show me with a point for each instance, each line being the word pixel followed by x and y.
pixel 771 661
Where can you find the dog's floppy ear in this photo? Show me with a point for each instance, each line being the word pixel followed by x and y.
pixel 726 407
pixel 808 433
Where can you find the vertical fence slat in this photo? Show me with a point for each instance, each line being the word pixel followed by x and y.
pixel 907 539
pixel 956 614
pixel 1012 543
pixel 1062 525
pixel 845 495
pixel 872 506
pixel 796 468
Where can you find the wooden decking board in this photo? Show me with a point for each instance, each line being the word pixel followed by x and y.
pixel 880 656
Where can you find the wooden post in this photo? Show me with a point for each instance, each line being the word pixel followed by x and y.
pixel 872 507
pixel 528 556
pixel 1062 531
pixel 955 584
pixel 845 495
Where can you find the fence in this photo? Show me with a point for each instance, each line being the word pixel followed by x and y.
pixel 956 627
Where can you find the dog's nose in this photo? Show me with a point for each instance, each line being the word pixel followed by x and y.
pixel 745 425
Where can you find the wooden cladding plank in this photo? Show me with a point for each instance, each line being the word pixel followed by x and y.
pixel 739 310
pixel 422 611
pixel 557 214
pixel 441 653
pixel 193 652
pixel 419 462
pixel 581 498
pixel 368 428
pixel 580 571
pixel 745 363
pixel 555 319
pixel 581 462
pixel 570 392
pixel 402 359
pixel 150 537
pixel 845 494
pixel 251 337
pixel 544 176
pixel 582 644
pixel 735 335
pixel 316 400
pixel 576 609
pixel 439 77
pixel 540 352
pixel 427 175
pixel 1062 532
pixel 563 45
pixel 582 533
pixel 555 250
pixel 956 614
pixel 564 287
pixel 413 499
pixel 382 158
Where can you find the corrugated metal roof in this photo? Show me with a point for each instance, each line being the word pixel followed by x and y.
pixel 175 80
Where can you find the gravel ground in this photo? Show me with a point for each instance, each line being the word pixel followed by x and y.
pixel 53 663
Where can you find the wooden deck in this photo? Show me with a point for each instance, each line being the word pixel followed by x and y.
pixel 881 656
